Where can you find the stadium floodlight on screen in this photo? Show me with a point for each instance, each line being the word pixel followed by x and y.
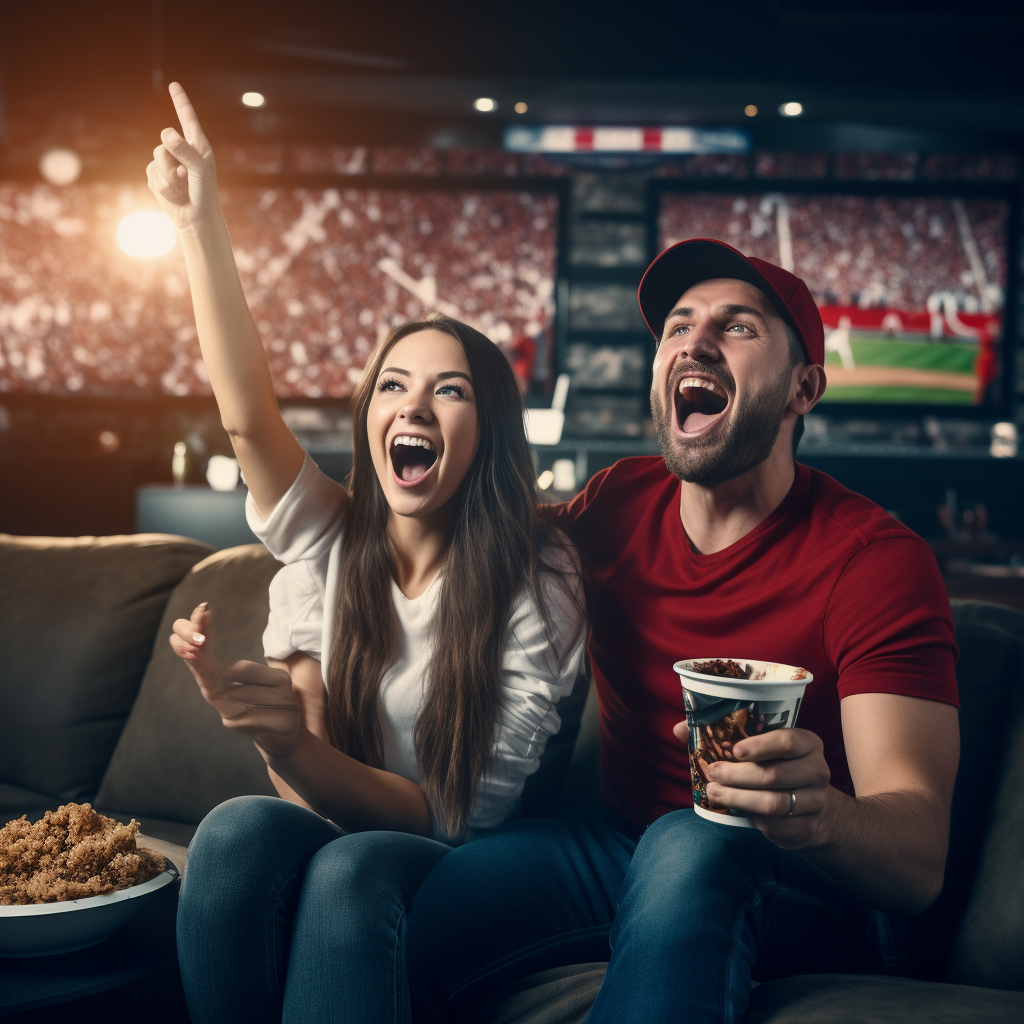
pixel 327 273
pixel 914 284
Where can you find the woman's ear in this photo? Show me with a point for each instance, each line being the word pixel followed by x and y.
pixel 811 386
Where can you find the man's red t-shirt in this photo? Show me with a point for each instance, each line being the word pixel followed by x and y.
pixel 828 581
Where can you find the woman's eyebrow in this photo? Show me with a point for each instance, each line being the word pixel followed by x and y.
pixel 394 369
pixel 454 373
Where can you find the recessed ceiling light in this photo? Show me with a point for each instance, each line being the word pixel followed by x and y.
pixel 253 99
pixel 521 107
pixel 791 109
pixel 750 110
pixel 485 104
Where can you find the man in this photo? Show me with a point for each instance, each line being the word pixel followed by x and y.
pixel 724 547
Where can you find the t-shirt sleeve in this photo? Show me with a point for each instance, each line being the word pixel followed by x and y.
pixel 566 515
pixel 296 621
pixel 540 667
pixel 307 519
pixel 888 626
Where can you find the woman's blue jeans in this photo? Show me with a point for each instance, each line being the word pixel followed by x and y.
pixel 689 915
pixel 282 916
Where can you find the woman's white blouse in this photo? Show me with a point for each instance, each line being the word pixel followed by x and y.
pixel 538 666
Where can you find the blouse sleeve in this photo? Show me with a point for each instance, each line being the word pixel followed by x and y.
pixel 540 667
pixel 307 519
pixel 296 620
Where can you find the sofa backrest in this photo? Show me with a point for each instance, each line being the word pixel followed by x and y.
pixel 988 948
pixel 77 617
pixel 175 760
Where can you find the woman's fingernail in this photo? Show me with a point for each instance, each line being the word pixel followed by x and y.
pixel 205 605
pixel 198 638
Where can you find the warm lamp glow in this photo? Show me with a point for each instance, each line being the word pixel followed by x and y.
pixel 60 166
pixel 750 110
pixel 253 99
pixel 791 109
pixel 485 104
pixel 521 107
pixel 146 233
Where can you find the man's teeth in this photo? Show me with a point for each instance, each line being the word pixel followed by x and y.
pixel 699 382
pixel 415 442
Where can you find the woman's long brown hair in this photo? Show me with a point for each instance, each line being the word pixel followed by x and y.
pixel 491 561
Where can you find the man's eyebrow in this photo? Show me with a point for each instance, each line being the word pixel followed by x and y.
pixel 680 311
pixel 733 309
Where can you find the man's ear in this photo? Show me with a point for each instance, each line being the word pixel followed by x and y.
pixel 811 386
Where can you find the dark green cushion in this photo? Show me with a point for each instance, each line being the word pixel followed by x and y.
pixel 175 760
pixel 77 618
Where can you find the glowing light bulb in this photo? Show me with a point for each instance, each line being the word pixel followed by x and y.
pixel 485 104
pixel 521 107
pixel 146 233
pixel 60 166
pixel 545 480
pixel 253 99
pixel 791 109
pixel 750 110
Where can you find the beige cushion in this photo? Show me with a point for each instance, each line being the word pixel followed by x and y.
pixel 175 760
pixel 77 617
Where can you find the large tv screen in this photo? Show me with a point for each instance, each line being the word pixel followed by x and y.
pixel 327 273
pixel 911 289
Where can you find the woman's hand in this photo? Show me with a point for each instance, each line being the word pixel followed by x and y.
pixel 250 698
pixel 182 174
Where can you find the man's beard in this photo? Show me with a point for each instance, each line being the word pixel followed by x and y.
pixel 747 442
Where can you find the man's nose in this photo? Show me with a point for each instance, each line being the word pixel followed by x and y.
pixel 701 345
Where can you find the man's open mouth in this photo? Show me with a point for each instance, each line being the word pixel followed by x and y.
pixel 412 458
pixel 699 403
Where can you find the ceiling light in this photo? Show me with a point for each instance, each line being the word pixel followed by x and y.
pixel 253 99
pixel 545 480
pixel 750 110
pixel 791 109
pixel 485 104
pixel 146 233
pixel 60 166
pixel 521 107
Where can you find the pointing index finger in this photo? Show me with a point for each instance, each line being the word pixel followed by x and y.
pixel 190 126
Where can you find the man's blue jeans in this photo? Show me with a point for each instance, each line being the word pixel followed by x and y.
pixel 689 915
pixel 283 916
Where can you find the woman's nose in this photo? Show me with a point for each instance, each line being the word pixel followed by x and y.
pixel 416 411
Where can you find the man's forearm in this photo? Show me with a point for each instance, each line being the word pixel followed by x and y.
pixel 887 850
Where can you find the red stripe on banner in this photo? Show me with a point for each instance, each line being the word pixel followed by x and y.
pixel 584 138
pixel 652 138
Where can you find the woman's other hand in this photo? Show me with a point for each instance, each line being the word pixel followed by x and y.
pixel 250 698
pixel 182 174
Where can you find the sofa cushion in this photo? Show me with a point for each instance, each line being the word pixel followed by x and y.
pixel 563 995
pixel 988 673
pixel 77 618
pixel 175 760
pixel 989 944
pixel 856 999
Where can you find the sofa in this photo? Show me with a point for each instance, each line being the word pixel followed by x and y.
pixel 96 707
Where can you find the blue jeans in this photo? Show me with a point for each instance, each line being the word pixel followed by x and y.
pixel 688 916
pixel 282 916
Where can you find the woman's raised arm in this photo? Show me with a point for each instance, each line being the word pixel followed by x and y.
pixel 183 177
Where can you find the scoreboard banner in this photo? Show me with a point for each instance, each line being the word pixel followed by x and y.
pixel 582 139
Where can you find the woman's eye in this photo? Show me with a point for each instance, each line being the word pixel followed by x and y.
pixel 451 389
pixel 389 384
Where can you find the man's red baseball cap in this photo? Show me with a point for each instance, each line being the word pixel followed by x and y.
pixel 700 259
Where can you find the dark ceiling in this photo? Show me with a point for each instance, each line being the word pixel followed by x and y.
pixel 407 70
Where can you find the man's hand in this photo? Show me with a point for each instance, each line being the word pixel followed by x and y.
pixel 768 769
pixel 250 698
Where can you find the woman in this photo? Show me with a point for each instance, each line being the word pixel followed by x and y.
pixel 446 640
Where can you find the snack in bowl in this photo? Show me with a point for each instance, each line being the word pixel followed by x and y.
pixel 71 853
pixel 728 700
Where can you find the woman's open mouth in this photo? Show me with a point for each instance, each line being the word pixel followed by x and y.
pixel 699 403
pixel 412 458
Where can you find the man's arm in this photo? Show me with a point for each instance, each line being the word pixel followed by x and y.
pixel 887 845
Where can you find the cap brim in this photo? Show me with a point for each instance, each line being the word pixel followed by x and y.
pixel 688 263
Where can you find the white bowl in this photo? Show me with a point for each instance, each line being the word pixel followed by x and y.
pixel 41 929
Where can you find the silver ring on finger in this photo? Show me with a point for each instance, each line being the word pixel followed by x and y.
pixel 792 804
